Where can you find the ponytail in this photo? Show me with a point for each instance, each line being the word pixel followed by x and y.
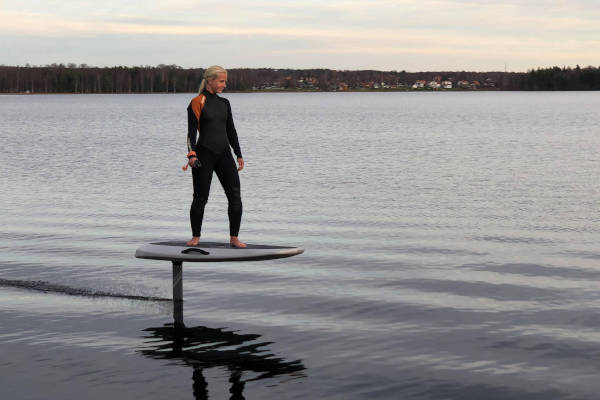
pixel 202 85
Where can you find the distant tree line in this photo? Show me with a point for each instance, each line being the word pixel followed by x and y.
pixel 58 78
pixel 71 78
pixel 562 79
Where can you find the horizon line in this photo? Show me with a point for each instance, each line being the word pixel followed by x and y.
pixel 83 65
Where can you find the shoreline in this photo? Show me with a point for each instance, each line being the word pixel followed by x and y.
pixel 402 90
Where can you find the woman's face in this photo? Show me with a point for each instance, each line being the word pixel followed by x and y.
pixel 218 84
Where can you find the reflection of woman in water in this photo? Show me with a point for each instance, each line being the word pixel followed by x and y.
pixel 203 348
pixel 211 133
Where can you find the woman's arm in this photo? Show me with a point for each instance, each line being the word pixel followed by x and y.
pixel 194 110
pixel 232 133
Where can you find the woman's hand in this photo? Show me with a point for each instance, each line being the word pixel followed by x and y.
pixel 241 164
pixel 192 162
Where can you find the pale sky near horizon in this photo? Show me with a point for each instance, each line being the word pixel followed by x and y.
pixel 411 35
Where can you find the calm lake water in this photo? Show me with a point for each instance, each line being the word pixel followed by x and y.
pixel 452 249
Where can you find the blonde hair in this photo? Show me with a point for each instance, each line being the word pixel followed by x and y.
pixel 211 73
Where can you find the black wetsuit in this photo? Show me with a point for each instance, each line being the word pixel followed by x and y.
pixel 216 134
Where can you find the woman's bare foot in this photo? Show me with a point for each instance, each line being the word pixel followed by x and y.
pixel 194 242
pixel 235 242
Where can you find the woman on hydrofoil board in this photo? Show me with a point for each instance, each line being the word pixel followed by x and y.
pixel 211 136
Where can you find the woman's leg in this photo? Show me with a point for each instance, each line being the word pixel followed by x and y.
pixel 202 178
pixel 230 180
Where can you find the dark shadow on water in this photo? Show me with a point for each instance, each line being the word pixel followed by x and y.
pixel 47 287
pixel 202 348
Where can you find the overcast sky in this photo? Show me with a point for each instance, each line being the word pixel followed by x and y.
pixel 411 35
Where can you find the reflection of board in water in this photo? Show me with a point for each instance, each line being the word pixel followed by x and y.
pixel 202 347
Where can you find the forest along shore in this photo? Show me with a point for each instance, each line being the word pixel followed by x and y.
pixel 71 78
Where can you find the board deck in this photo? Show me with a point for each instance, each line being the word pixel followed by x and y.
pixel 213 252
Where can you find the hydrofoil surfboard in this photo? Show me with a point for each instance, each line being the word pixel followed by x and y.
pixel 213 252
